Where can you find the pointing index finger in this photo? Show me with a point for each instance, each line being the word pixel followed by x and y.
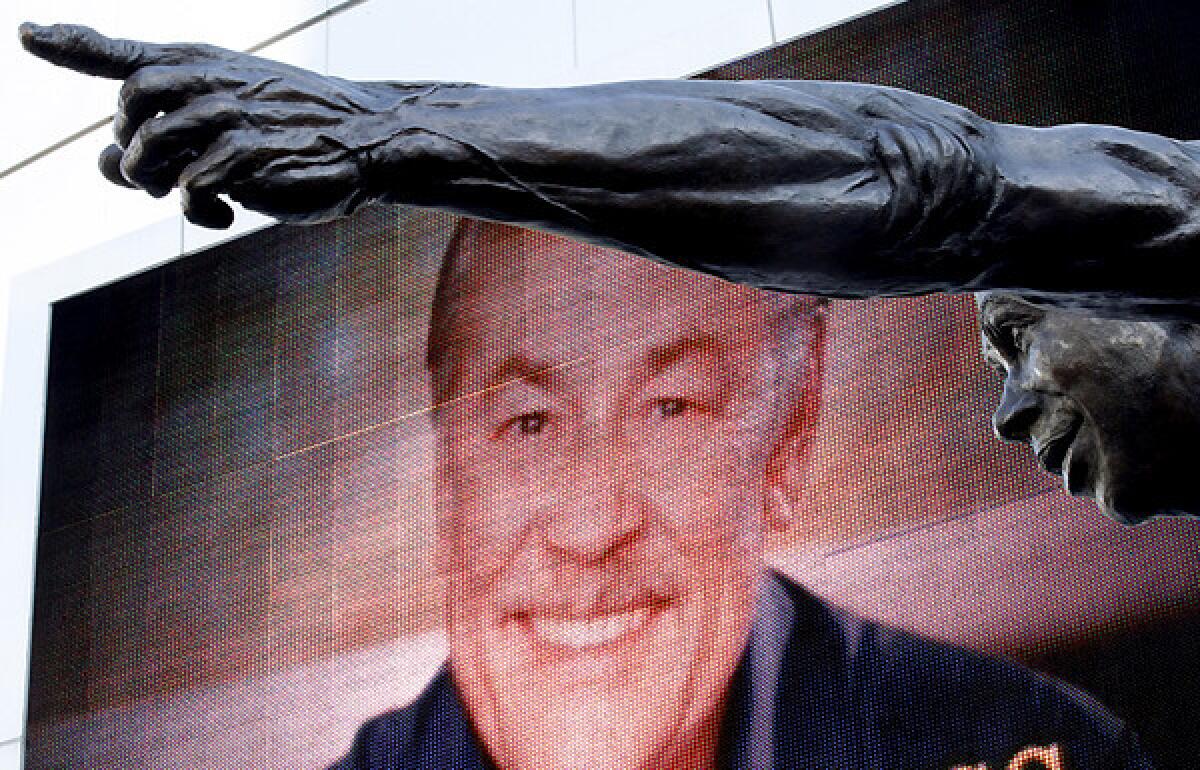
pixel 85 50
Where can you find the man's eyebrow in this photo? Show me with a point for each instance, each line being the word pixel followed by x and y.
pixel 520 367
pixel 663 358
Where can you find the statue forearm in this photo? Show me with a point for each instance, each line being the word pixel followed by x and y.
pixel 836 188
pixel 804 186
pixel 1093 209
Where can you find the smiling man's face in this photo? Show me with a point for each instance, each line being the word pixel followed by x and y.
pixel 609 452
pixel 1112 406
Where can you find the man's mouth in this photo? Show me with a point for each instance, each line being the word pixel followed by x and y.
pixel 581 634
pixel 562 633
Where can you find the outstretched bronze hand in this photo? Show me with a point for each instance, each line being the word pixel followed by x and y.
pixel 279 139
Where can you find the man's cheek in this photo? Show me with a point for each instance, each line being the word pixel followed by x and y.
pixel 482 523
pixel 701 448
pixel 706 511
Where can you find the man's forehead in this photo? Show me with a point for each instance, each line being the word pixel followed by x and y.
pixel 495 258
pixel 549 285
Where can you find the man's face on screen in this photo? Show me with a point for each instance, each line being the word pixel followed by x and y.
pixel 1112 406
pixel 603 470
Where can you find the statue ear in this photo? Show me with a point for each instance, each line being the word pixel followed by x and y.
pixel 787 469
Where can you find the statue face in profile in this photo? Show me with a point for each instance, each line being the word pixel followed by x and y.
pixel 1111 406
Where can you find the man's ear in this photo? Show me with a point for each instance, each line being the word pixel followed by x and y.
pixel 787 476
pixel 787 469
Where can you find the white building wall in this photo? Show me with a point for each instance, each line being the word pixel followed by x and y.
pixel 66 229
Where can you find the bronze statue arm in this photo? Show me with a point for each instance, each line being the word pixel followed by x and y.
pixel 836 188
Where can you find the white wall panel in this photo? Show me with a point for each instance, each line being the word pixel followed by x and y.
pixel 21 416
pixel 10 756
pixel 512 43
pixel 800 17
pixel 230 23
pixel 634 39
pixel 61 205
pixel 55 103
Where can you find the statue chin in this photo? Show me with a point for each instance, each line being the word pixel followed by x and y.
pixel 1137 503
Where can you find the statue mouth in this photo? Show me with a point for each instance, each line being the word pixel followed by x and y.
pixel 1052 448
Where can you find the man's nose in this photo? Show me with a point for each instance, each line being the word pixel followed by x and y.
pixel 601 509
pixel 1018 410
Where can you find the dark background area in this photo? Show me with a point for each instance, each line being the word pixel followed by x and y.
pixel 1127 62
pixel 179 452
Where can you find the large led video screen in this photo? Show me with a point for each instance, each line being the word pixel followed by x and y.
pixel 410 490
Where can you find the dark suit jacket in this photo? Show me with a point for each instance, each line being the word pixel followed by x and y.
pixel 820 688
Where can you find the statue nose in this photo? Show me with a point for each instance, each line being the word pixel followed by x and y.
pixel 1015 415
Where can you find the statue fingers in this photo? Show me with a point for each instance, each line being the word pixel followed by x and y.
pixel 307 193
pixel 152 90
pixel 296 176
pixel 110 166
pixel 85 50
pixel 164 146
pixel 206 209
pixel 212 173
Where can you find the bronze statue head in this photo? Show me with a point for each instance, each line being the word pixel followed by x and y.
pixel 1112 406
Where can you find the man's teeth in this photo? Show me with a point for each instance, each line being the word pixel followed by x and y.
pixel 588 633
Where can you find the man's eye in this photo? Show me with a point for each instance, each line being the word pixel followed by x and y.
pixel 670 407
pixel 523 425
